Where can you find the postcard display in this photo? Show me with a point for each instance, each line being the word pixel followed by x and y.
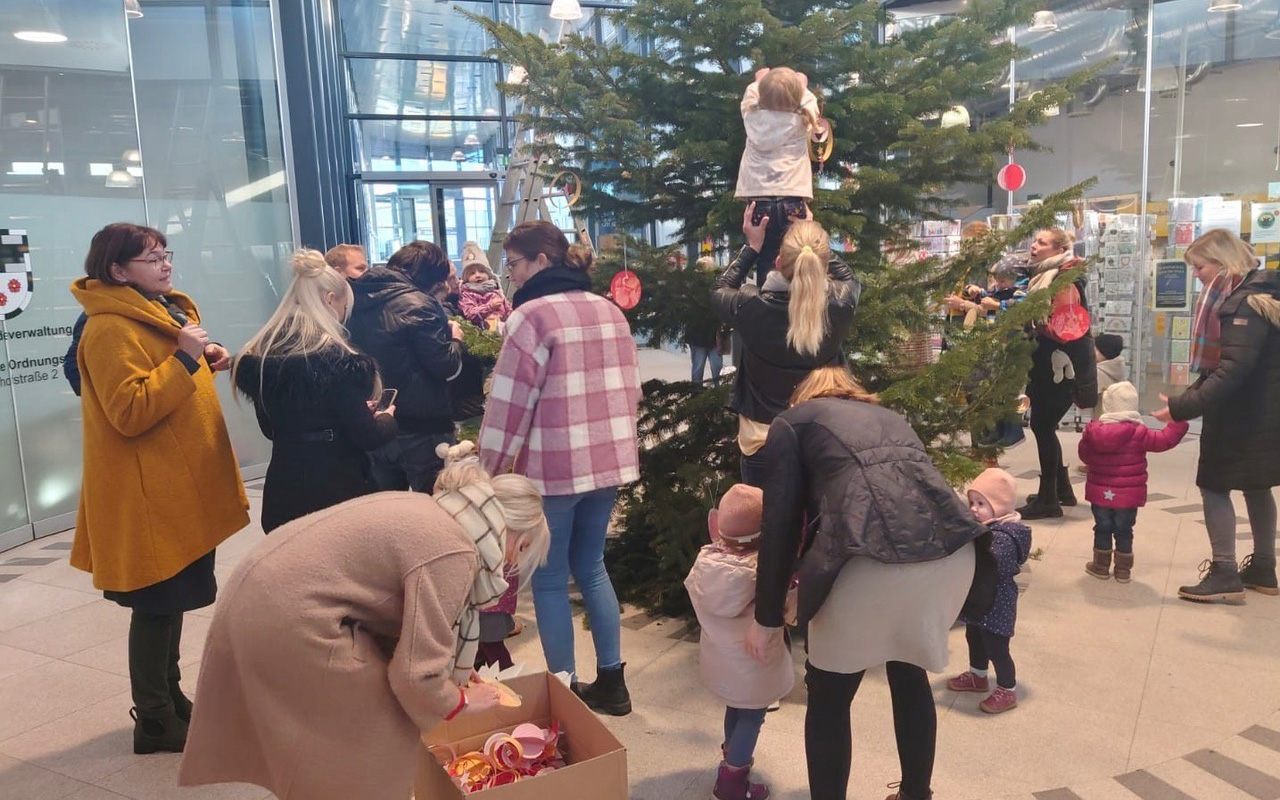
pixel 1114 293
pixel 941 238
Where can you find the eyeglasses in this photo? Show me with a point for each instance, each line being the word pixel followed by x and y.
pixel 511 262
pixel 155 261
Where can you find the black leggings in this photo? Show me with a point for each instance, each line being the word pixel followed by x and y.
pixel 828 738
pixel 986 648
pixel 1048 405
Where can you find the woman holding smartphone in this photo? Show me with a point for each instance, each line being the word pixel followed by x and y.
pixel 318 400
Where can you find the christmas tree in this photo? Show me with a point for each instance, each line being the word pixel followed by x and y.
pixel 657 136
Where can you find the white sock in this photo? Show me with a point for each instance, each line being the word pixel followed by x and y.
pixel 981 673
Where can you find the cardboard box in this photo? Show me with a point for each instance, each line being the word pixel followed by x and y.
pixel 596 762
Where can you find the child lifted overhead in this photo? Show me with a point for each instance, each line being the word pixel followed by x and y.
pixel 781 115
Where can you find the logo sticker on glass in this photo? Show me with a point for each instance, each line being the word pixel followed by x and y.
pixel 16 284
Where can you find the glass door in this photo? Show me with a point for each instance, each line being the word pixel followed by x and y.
pixel 446 212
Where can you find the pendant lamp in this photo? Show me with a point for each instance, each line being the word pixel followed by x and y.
pixel 567 10
pixel 1225 5
pixel 1046 22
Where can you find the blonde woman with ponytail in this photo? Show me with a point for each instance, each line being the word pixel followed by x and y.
pixel 314 395
pixel 791 325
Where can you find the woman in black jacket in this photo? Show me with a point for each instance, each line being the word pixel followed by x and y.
pixel 1236 348
pixel 1060 374
pixel 885 568
pixel 790 326
pixel 314 397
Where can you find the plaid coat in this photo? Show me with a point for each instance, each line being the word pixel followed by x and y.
pixel 562 410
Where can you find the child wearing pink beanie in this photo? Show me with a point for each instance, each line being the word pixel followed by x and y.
pixel 991 498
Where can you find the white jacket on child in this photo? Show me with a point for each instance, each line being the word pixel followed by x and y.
pixel 722 586
pixel 775 162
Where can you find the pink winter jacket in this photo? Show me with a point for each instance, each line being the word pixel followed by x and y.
pixel 722 586
pixel 1116 453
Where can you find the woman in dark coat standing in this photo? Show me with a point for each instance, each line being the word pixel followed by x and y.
pixel 1060 374
pixel 886 567
pixel 313 394
pixel 790 326
pixel 1236 348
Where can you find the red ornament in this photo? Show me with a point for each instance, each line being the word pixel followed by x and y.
pixel 4 299
pixel 15 286
pixel 1011 177
pixel 625 288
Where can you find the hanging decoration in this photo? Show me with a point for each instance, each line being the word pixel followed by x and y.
pixel 1011 177
pixel 625 289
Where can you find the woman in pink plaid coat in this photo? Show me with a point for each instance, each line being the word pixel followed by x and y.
pixel 562 411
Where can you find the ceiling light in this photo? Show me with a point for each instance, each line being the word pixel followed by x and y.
pixel 956 117
pixel 1047 21
pixel 132 9
pixel 131 156
pixel 40 37
pixel 1249 125
pixel 566 10
pixel 517 74
pixel 490 112
pixel 1225 5
pixel 472 140
pixel 458 155
pixel 44 29
pixel 1166 80
pixel 121 179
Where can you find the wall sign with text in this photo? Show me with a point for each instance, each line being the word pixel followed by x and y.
pixel 1171 285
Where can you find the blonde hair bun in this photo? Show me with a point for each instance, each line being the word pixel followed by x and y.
pixel 308 263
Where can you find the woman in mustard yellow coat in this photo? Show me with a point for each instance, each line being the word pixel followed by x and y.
pixel 161 486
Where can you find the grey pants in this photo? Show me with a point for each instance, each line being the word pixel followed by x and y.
pixel 1220 519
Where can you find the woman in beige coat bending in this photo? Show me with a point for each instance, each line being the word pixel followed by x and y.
pixel 335 643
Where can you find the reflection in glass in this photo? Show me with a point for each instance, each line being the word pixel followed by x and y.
pixel 427 145
pixel 395 27
pixel 435 88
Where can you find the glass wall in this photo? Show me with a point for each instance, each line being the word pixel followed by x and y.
pixel 430 133
pixel 169 119
pixel 1181 127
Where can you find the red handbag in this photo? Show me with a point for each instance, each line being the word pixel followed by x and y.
pixel 1068 320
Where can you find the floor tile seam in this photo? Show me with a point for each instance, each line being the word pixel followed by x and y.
pixel 1215 747
pixel 81 787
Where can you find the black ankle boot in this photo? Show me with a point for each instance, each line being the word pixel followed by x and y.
pixel 1219 580
pixel 1034 509
pixel 159 733
pixel 608 695
pixel 181 703
pixel 1259 574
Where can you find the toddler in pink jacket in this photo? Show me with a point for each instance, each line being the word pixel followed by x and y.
pixel 722 586
pixel 1115 447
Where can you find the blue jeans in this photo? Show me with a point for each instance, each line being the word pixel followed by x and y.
pixel 578 524
pixel 1117 523
pixel 700 355
pixel 741 730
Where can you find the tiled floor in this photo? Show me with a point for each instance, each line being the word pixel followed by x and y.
pixel 1125 691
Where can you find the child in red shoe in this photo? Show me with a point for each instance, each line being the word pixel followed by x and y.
pixel 991 499
pixel 1115 446
pixel 722 586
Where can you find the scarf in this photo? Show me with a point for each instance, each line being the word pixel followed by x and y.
pixel 552 280
pixel 478 511
pixel 484 287
pixel 1206 333
pixel 1121 416
pixel 1043 273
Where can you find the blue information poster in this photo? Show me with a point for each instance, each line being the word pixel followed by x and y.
pixel 1171 285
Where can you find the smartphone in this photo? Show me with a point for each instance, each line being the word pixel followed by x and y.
pixel 387 400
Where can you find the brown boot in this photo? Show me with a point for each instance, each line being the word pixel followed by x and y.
pixel 1100 566
pixel 1124 564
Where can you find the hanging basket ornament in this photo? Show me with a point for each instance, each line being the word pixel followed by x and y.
pixel 1011 177
pixel 568 185
pixel 625 289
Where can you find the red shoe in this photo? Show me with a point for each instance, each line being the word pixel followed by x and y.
pixel 734 783
pixel 998 701
pixel 968 682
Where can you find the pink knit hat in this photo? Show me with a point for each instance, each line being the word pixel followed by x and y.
pixel 738 517
pixel 999 488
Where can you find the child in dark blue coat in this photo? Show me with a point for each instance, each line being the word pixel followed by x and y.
pixel 991 499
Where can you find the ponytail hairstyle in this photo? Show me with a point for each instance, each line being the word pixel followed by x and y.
pixel 540 236
pixel 303 324
pixel 782 89
pixel 802 260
